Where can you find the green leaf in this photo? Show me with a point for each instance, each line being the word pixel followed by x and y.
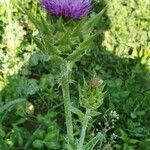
pixel 52 145
pixel 2 132
pixel 32 18
pixel 133 115
pixel 90 145
pixel 65 39
pixel 93 21
pixel 94 113
pixel 51 136
pixel 51 49
pixel 46 27
pixel 77 30
pixel 32 87
pixel 46 45
pixel 11 103
pixel 39 133
pixel 60 25
pixel 38 144
pixel 39 43
pixel 76 54
pixel 77 112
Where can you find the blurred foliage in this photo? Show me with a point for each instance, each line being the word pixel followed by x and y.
pixel 120 57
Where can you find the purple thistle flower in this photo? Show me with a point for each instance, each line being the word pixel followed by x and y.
pixel 67 8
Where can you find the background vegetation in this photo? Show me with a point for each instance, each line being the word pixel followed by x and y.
pixel 31 106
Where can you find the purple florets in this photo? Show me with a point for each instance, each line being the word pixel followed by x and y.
pixel 67 8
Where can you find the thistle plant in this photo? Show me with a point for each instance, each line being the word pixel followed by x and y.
pixel 65 35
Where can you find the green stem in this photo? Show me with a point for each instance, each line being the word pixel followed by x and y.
pixel 67 103
pixel 83 131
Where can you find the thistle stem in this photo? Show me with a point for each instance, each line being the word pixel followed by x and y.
pixel 67 102
pixel 83 131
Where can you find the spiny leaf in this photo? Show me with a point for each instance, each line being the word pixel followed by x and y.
pixel 60 25
pixel 77 30
pixel 65 39
pixel 93 21
pixel 39 43
pixel 45 44
pixel 41 24
pixel 75 55
pixel 90 145
pixel 46 27
pixel 77 112
pixel 49 46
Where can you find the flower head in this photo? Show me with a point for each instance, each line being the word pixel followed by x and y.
pixel 67 8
